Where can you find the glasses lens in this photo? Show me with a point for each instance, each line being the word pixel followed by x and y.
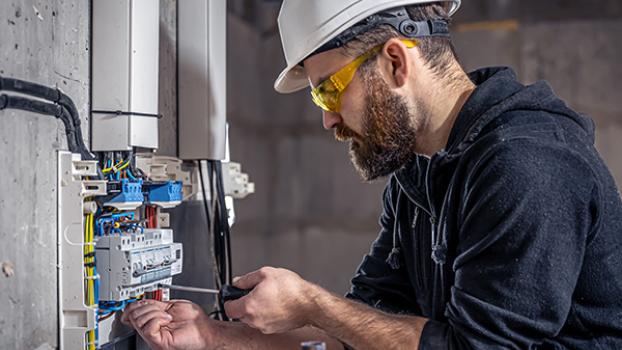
pixel 318 100
pixel 326 96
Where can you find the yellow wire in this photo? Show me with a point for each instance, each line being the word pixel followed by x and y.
pixel 107 170
pixel 124 165
pixel 118 166
pixel 90 286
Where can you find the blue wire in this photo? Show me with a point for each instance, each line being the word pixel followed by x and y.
pixel 96 285
pixel 130 175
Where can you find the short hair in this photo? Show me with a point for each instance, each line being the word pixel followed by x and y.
pixel 437 52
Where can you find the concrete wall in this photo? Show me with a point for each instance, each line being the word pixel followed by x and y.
pixel 45 42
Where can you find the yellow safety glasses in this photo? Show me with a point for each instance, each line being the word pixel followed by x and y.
pixel 327 95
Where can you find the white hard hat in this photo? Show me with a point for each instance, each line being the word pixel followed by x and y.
pixel 306 25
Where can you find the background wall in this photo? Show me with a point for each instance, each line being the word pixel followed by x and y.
pixel 311 213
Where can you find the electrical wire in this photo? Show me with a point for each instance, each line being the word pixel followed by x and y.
pixel 218 228
pixel 91 276
pixel 218 306
pixel 29 105
pixel 224 221
pixel 54 95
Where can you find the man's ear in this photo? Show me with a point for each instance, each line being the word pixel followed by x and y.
pixel 397 62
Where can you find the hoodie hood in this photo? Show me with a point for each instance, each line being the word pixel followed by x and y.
pixel 499 92
pixel 498 103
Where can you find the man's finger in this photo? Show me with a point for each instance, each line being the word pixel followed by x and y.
pixel 236 309
pixel 250 280
pixel 152 331
pixel 139 311
pixel 138 305
pixel 143 319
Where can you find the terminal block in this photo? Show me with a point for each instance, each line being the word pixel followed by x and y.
pixel 236 183
pixel 131 264
pixel 125 194
pixel 165 195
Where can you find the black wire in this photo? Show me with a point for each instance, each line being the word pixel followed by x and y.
pixel 205 204
pixel 53 95
pixel 216 225
pixel 219 312
pixel 225 222
pixel 40 107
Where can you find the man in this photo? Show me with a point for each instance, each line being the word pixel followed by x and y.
pixel 501 229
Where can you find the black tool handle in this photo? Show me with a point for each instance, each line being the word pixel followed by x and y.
pixel 228 292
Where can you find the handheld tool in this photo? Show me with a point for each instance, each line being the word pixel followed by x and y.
pixel 226 293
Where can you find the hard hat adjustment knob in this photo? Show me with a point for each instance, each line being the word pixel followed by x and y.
pixel 408 27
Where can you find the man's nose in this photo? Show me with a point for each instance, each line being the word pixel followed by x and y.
pixel 330 119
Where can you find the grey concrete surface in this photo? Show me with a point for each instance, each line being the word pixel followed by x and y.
pixel 45 42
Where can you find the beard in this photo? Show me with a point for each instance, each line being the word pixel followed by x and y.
pixel 388 131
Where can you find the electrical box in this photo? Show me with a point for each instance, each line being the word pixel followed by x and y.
pixel 131 264
pixel 125 53
pixel 202 67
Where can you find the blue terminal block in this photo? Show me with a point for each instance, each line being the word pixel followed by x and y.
pixel 166 195
pixel 130 196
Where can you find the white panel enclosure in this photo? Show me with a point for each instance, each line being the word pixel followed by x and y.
pixel 125 74
pixel 202 58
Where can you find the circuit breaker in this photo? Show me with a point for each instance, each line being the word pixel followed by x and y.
pixel 131 264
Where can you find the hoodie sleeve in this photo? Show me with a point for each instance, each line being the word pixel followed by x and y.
pixel 526 213
pixel 375 282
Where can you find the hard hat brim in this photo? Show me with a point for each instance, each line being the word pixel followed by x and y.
pixel 291 79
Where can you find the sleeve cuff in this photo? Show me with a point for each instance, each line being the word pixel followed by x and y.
pixel 434 336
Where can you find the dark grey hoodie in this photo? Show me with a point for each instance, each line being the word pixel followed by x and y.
pixel 510 237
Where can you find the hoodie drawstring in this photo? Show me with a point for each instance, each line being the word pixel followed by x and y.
pixel 394 257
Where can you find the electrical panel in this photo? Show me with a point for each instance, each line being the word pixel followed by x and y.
pixel 125 66
pixel 114 243
pixel 113 246
pixel 202 67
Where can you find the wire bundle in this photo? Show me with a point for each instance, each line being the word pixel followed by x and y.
pixel 119 165
pixel 108 223
pixel 62 107
pixel 218 227
pixel 108 308
pixel 91 278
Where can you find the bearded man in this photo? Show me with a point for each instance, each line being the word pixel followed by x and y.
pixel 501 228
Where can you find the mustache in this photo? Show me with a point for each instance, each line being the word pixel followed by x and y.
pixel 343 133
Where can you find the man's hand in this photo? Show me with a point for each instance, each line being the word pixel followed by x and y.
pixel 279 301
pixel 176 324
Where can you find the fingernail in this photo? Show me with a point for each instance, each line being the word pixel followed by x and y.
pixel 235 279
pixel 169 317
